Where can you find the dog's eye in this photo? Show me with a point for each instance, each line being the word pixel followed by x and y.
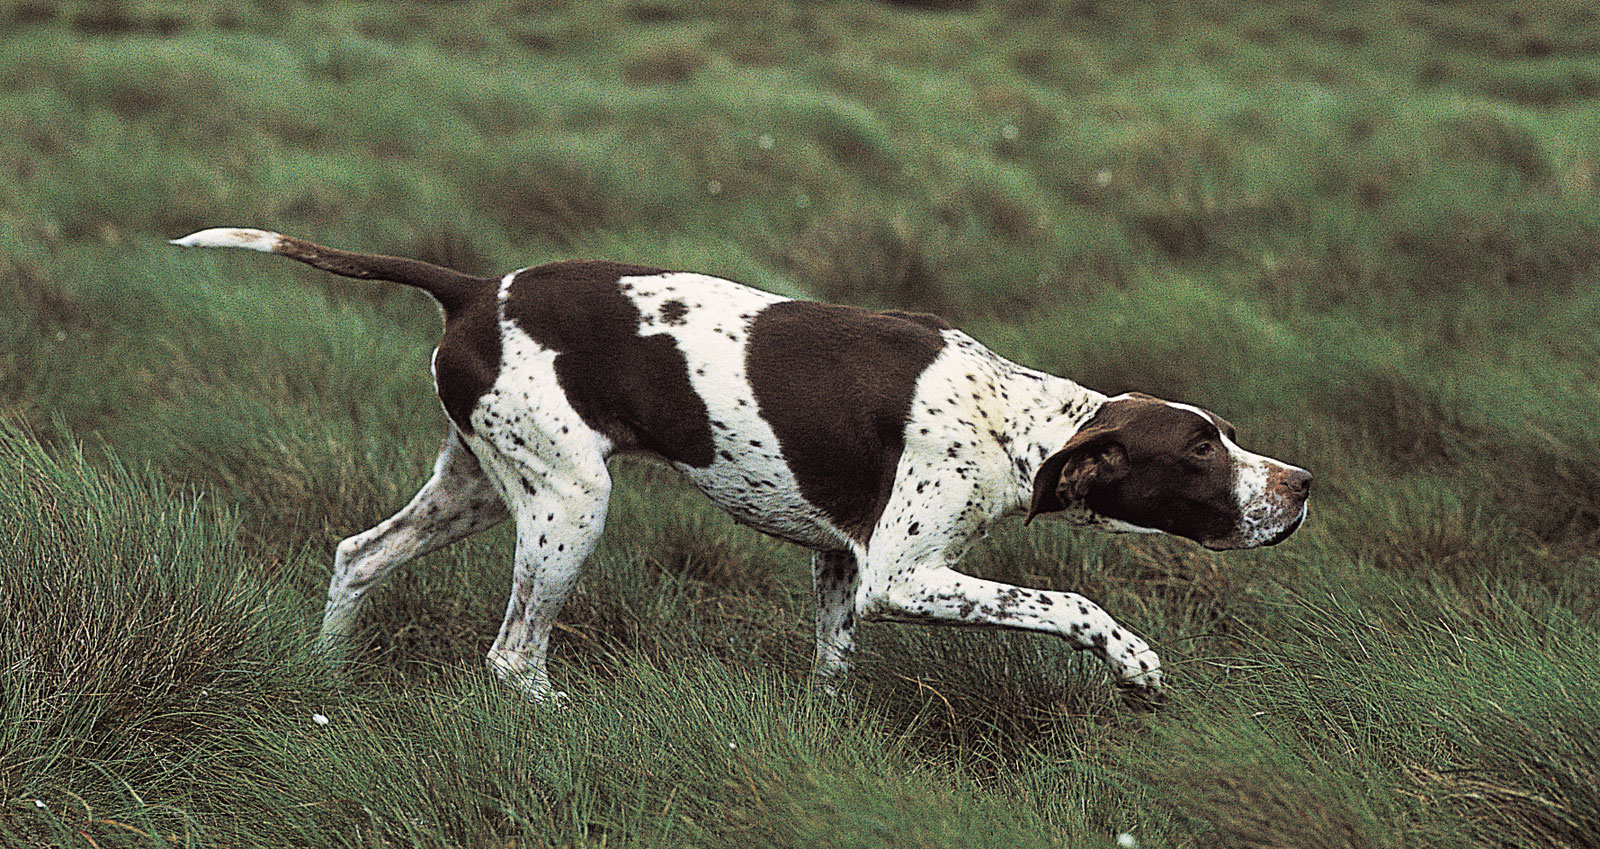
pixel 1204 448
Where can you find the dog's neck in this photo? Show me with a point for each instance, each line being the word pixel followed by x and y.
pixel 1049 411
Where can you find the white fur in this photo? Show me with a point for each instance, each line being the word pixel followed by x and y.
pixel 232 237
pixel 712 335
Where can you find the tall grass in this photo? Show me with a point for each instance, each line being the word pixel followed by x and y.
pixel 1366 233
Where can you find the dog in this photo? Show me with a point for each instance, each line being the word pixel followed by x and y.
pixel 885 442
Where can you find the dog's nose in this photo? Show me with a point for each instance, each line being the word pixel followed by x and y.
pixel 1298 483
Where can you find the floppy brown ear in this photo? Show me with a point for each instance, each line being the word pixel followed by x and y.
pixel 1091 457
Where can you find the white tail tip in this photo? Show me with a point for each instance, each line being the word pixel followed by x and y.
pixel 232 237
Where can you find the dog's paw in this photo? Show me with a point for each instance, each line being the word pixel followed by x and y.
pixel 551 699
pixel 1141 698
pixel 1140 678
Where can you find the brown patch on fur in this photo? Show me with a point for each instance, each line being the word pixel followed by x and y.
pixel 451 288
pixel 634 389
pixel 467 361
pixel 835 383
pixel 1143 461
pixel 1092 456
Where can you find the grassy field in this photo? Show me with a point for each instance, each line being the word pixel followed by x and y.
pixel 1367 233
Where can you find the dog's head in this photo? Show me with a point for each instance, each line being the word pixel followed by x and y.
pixel 1141 464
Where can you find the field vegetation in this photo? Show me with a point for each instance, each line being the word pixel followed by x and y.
pixel 1366 232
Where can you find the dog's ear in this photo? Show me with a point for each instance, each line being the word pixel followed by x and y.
pixel 1093 456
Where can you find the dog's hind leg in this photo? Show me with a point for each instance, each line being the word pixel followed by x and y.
pixel 456 502
pixel 560 510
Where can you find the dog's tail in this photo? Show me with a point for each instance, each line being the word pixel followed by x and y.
pixel 449 287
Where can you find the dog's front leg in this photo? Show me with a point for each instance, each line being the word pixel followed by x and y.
pixel 835 578
pixel 932 593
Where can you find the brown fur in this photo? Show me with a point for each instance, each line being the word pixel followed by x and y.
pixel 633 388
pixel 1135 460
pixel 835 383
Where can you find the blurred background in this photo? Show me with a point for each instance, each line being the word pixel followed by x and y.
pixel 1365 232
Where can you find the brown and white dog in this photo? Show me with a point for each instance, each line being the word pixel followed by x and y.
pixel 885 442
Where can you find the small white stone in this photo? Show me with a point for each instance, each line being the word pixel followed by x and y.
pixel 320 719
pixel 1011 132
pixel 765 142
pixel 1103 178
pixel 1127 841
pixel 40 804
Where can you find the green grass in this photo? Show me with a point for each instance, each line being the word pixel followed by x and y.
pixel 1367 233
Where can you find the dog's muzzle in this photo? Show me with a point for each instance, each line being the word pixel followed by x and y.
pixel 1289 529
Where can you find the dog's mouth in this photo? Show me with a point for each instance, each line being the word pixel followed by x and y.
pixel 1236 543
pixel 1288 530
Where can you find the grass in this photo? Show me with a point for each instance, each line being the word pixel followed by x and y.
pixel 1366 233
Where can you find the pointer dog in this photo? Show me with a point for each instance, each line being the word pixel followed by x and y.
pixel 885 442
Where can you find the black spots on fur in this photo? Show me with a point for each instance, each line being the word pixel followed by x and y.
pixel 632 388
pixel 673 311
pixel 834 568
